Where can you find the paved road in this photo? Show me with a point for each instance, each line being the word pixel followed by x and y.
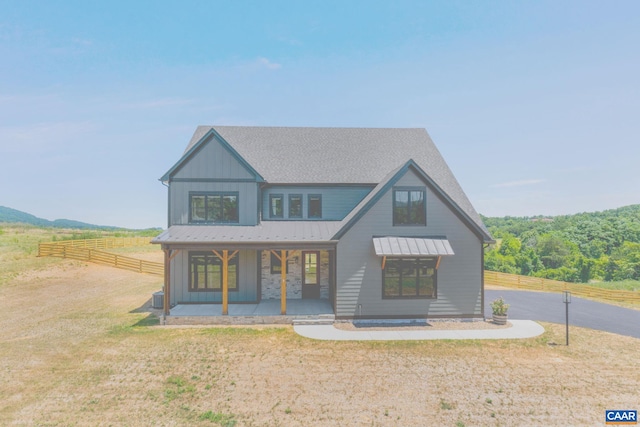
pixel 548 307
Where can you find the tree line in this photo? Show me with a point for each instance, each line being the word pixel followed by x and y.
pixel 572 248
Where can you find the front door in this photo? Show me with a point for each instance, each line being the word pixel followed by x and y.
pixel 310 274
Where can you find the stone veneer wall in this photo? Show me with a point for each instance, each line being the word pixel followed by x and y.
pixel 271 282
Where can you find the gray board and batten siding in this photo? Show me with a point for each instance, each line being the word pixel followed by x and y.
pixel 247 281
pixel 354 170
pixel 213 169
pixel 247 199
pixel 359 272
pixel 337 201
pixel 213 160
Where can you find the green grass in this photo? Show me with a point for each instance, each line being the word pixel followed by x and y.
pixel 622 285
pixel 19 246
pixel 99 234
pixel 18 250
pixel 177 386
pixel 445 405
pixel 224 420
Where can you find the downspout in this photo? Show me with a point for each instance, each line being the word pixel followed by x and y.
pixel 259 203
pixel 484 246
pixel 168 203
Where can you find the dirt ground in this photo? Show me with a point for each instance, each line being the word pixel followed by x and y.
pixel 78 346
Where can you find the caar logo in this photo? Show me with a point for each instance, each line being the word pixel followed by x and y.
pixel 621 417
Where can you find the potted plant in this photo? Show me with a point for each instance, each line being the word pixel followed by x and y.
pixel 499 308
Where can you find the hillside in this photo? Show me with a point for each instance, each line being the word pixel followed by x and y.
pixel 15 216
pixel 574 248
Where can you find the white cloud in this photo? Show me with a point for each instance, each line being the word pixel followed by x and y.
pixel 40 137
pixel 160 103
pixel 289 41
pixel 264 62
pixel 521 183
pixel 81 42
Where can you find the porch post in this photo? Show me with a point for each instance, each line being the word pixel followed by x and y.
pixel 283 282
pixel 225 282
pixel 225 257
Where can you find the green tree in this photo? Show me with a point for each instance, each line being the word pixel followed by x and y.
pixel 624 262
pixel 581 247
pixel 553 250
pixel 495 261
pixel 510 245
pixel 528 262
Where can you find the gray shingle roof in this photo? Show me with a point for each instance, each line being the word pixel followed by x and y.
pixel 328 155
pixel 303 155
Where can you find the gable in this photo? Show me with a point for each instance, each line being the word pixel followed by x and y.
pixel 211 159
pixel 411 175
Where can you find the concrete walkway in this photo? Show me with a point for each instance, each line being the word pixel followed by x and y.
pixel 520 329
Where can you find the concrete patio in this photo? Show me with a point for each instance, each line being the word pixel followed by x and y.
pixel 265 312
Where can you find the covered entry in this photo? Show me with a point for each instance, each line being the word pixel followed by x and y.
pixel 248 264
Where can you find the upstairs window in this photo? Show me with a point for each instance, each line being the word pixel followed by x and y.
pixel 409 207
pixel 315 206
pixel 276 209
pixel 295 205
pixel 213 207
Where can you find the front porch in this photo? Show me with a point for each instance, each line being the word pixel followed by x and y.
pixel 264 312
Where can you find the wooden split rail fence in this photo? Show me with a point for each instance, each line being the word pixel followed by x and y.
pixel 548 285
pixel 89 250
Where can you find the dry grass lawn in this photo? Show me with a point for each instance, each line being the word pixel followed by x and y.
pixel 79 347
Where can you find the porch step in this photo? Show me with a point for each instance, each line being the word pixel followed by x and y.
pixel 319 319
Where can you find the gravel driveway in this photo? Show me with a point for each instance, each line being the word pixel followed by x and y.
pixel 548 307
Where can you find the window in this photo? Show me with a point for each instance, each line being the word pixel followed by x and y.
pixel 409 207
pixel 315 206
pixel 213 207
pixel 205 272
pixel 295 205
pixel 275 206
pixel 276 264
pixel 409 278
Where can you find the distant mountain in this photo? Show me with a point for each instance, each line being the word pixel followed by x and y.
pixel 16 216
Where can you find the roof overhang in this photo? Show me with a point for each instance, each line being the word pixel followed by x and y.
pixel 266 235
pixel 411 246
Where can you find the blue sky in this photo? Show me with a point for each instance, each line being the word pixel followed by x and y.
pixel 535 105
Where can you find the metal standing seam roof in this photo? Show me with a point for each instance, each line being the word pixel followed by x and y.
pixel 267 231
pixel 411 246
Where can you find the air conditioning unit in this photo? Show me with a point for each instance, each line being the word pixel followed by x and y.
pixel 157 299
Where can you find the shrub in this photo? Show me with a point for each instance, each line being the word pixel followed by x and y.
pixel 499 307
